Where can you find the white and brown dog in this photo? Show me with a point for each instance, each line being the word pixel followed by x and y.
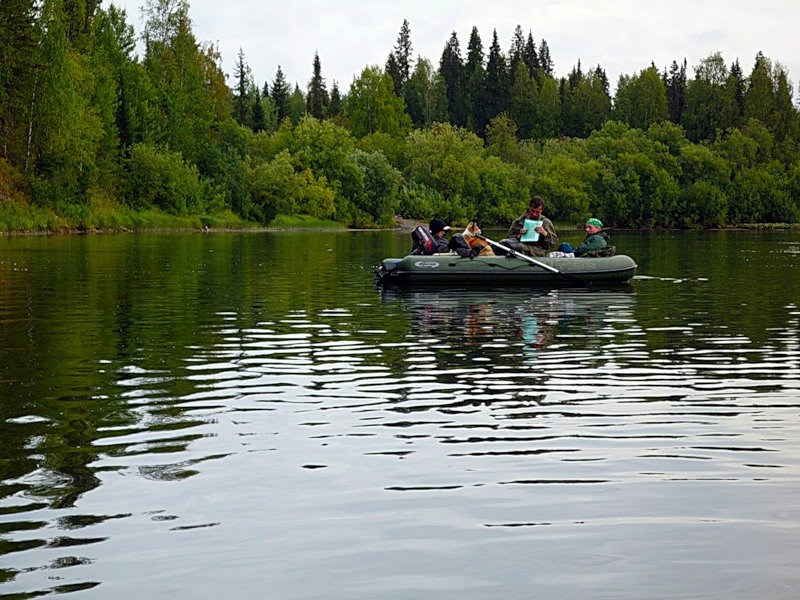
pixel 471 234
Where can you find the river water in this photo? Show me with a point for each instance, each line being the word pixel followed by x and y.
pixel 248 416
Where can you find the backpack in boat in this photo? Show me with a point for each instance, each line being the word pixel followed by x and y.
pixel 607 251
pixel 422 241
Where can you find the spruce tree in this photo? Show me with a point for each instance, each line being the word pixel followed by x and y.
pixel 474 76
pixel 393 70
pixel 257 112
pixel 241 71
pixel 739 84
pixel 496 89
pixel 402 56
pixel 451 68
pixel 335 107
pixel 531 58
pixel 676 91
pixel 517 52
pixel 280 95
pixel 317 99
pixel 545 62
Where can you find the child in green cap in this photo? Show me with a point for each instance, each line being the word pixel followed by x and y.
pixel 596 239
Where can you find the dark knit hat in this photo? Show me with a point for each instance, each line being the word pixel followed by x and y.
pixel 438 225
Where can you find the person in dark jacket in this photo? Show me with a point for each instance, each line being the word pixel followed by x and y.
pixel 596 239
pixel 439 229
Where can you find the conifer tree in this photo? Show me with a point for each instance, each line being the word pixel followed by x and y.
pixel 531 58
pixel 335 107
pixel 496 89
pixel 517 52
pixel 402 57
pixel 317 99
pixel 280 95
pixel 737 80
pixel 676 91
pixel 257 112
pixel 451 68
pixel 545 62
pixel 474 77
pixel 393 70
pixel 241 71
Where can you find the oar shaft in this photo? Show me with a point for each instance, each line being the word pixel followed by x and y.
pixel 519 254
pixel 533 260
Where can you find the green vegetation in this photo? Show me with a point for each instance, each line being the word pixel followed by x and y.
pixel 94 137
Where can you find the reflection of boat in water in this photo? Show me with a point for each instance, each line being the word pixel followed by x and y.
pixel 451 269
pixel 507 313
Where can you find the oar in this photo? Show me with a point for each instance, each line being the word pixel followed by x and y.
pixel 546 267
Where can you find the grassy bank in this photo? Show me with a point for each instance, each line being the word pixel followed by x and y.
pixel 23 218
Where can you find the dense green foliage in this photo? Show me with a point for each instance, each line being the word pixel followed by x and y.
pixel 91 135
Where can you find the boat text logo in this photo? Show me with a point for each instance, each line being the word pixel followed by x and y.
pixel 426 264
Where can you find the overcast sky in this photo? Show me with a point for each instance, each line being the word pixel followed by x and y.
pixel 622 36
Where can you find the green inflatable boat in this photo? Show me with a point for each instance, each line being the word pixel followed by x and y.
pixel 514 270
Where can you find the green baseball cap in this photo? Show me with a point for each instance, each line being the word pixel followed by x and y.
pixel 595 222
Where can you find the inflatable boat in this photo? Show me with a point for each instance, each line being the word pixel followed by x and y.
pixel 513 270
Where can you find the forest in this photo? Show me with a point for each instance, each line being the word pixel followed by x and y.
pixel 95 137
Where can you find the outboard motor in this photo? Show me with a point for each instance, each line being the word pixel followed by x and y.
pixel 423 241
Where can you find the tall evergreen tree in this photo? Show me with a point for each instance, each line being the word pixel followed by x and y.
pixel 545 61
pixel 496 89
pixel 392 69
pixel 280 95
pixel 402 56
pixel 241 72
pixel 257 116
pixel 335 107
pixel 451 68
pixel 474 82
pixel 737 80
pixel 676 91
pixel 531 57
pixel 317 99
pixel 517 52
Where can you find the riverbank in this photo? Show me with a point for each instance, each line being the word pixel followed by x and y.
pixel 22 219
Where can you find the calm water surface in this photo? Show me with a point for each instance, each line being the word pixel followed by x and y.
pixel 247 416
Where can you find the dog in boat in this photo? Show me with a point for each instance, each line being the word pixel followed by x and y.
pixel 470 236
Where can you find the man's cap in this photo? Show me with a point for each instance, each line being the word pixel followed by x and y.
pixel 595 222
pixel 438 225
